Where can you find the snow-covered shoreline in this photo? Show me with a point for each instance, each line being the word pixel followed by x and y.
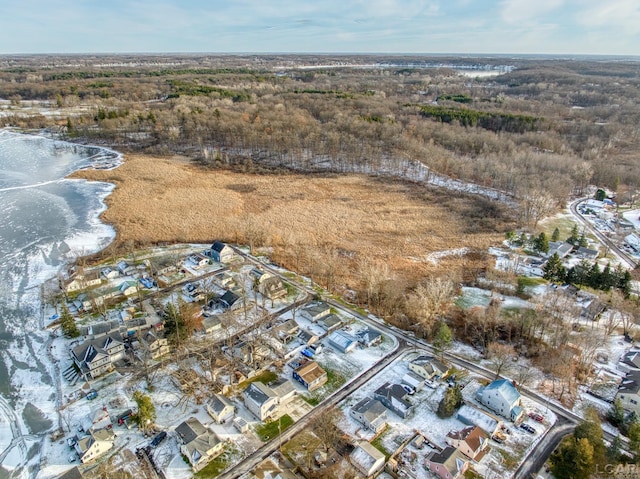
pixel 26 355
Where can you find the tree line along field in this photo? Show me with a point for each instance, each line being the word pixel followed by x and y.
pixel 552 126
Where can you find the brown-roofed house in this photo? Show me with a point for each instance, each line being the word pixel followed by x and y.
pixel 471 441
pixel 310 375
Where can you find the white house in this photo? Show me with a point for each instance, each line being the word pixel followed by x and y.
pixel 94 445
pixel 199 445
pixel 221 252
pixel 470 441
pixel 502 397
pixel 266 401
pixel 371 413
pixel 367 459
pixel 220 408
pixel 428 367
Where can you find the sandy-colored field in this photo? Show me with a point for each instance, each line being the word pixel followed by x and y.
pixel 340 218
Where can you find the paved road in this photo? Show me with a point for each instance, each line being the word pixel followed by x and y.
pixel 541 452
pixel 624 257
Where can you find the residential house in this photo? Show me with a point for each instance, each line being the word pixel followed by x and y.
pixel 330 322
pixel 230 300
pixel 100 419
pixel 502 397
pixel 83 280
pixel 393 397
pixel 586 253
pixel 630 361
pixel 264 401
pixel 470 441
pixel 560 248
pixel 226 280
pixel 221 252
pixel 211 324
pixel 128 288
pixel 342 341
pixel 96 357
pixel 371 413
pixel 272 288
pixel 163 265
pixel 314 311
pixel 94 445
pixel 629 392
pixel 125 268
pixel 198 260
pixel 310 375
pixel 428 367
pixel 369 337
pixel 308 337
pixel 109 273
pixel 286 331
pixel 268 470
pixel 367 459
pixel 154 344
pixel 473 416
pixel 199 445
pixel 220 408
pixel 103 328
pixel 448 463
pixel 412 380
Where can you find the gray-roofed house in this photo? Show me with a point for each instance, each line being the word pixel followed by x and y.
pixel 367 459
pixel 128 288
pixel 220 408
pixel 284 389
pixel 272 288
pixel 448 463
pixel 198 444
pixel 261 400
pixel 630 361
pixel 562 249
pixel 473 416
pixel 286 331
pixel 371 413
pixel 221 252
pixel 428 367
pixel 94 445
pixel 413 380
pixel 587 253
pixel 154 344
pixel 315 311
pixel 369 337
pixel 125 268
pixel 330 322
pixel 230 300
pixel 393 397
pixel 73 473
pixel 82 280
pixel 343 342
pixel 211 324
pixel 96 357
pixel 629 392
pixel 198 260
pixel 502 397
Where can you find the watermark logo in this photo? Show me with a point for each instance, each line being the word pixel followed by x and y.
pixel 618 471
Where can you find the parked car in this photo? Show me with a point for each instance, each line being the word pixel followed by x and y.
pixel 124 416
pixel 497 439
pixel 91 395
pixel 72 458
pixel 430 384
pixel 528 428
pixel 536 417
pixel 408 388
pixel 158 439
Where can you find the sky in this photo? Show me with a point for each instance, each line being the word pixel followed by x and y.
pixel 599 27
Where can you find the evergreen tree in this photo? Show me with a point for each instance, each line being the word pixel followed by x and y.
pixel 68 323
pixel 573 459
pixel 554 270
pixel 594 276
pixel 613 451
pixel 541 243
pixel 450 403
pixel 573 239
pixel 555 236
pixel 146 414
pixel 582 241
pixel 606 278
pixel 615 415
pixel 591 430
pixel 634 439
pixel 443 339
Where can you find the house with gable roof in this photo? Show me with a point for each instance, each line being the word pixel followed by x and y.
pixel 629 392
pixel 220 408
pixel 471 441
pixel 199 445
pixel 96 357
pixel 367 459
pixel 473 416
pixel 94 445
pixel 221 252
pixel 448 463
pixel 371 413
pixel 502 397
pixel 393 397
pixel 310 375
pixel 428 367
pixel 265 401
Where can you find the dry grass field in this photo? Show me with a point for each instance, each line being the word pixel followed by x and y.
pixel 308 221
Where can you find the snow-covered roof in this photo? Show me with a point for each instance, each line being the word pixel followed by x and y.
pixel 474 416
pixel 341 339
pixel 366 456
pixel 504 388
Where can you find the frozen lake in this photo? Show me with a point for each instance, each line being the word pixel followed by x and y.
pixel 45 221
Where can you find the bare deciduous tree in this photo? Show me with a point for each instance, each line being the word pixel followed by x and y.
pixel 429 301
